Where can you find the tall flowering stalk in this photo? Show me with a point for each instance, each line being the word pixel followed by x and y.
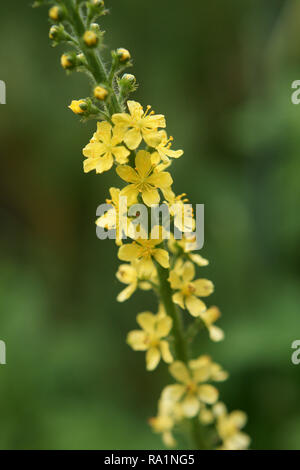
pixel 134 141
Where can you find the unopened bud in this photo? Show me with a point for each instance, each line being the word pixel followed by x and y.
pixel 68 61
pixel 90 38
pixel 79 106
pixel 56 13
pixel 123 54
pixel 100 93
pixel 128 77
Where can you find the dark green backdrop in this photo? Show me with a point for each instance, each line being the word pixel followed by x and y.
pixel 221 71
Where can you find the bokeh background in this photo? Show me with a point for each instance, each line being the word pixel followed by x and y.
pixel 222 73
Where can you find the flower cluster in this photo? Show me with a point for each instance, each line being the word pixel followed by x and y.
pixel 134 141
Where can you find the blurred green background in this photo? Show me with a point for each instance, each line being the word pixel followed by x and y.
pixel 221 71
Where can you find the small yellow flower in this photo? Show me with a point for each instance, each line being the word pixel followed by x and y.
pixel 229 427
pixel 182 213
pixel 192 389
pixel 66 62
pixel 130 274
pixel 103 148
pixel 77 106
pixel 123 54
pixel 90 38
pixel 163 150
pixel 150 338
pixel 185 245
pixel 144 250
pixel 100 93
pixel 209 317
pixel 143 180
pixel 181 279
pixel 139 124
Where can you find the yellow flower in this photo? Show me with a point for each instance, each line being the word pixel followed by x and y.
pixel 66 61
pixel 192 389
pixel 100 93
pixel 130 274
pixel 150 339
pixel 181 279
pixel 163 149
pixel 209 317
pixel 144 250
pixel 103 147
pixel 123 54
pixel 77 106
pixel 143 180
pixel 55 13
pixel 163 424
pixel 139 124
pixel 182 213
pixel 229 427
pixel 90 38
pixel 116 217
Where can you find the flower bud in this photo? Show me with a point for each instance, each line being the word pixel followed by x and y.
pixel 128 77
pixel 123 54
pixel 90 38
pixel 79 106
pixel 57 33
pixel 68 61
pixel 98 3
pixel 100 93
pixel 56 13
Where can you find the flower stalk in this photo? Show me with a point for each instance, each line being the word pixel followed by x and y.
pixel 137 144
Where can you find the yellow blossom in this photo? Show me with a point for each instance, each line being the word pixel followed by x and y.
pixel 183 245
pixel 188 290
pixel 150 338
pixel 209 317
pixel 100 93
pixel 77 106
pixel 143 180
pixel 90 38
pixel 139 124
pixel 192 389
pixel 229 427
pixel 103 147
pixel 163 150
pixel 55 13
pixel 131 274
pixel 66 62
pixel 144 250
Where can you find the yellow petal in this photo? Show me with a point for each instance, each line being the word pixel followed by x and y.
pixel 194 305
pixel 127 174
pixel 121 154
pixel 188 271
pixel 135 109
pixel 151 138
pixel 137 340
pixel 216 334
pixel 126 293
pixel 190 406
pixel 131 193
pixel 180 372
pixel 147 321
pixel 90 164
pixel 121 120
pixel 208 394
pixel 197 259
pixel 239 418
pixel 103 132
pixel 133 138
pixel 143 163
pixel 129 252
pixel 170 395
pixel 162 257
pixel 152 358
pixel 126 274
pixel 178 299
pixel 105 163
pixel 175 281
pixel 161 179
pixel 151 197
pixel 94 150
pixel 165 352
pixel 155 120
pixel 155 158
pixel 203 287
pixel 211 315
pixel 164 326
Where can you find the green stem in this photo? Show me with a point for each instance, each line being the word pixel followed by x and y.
pixel 93 59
